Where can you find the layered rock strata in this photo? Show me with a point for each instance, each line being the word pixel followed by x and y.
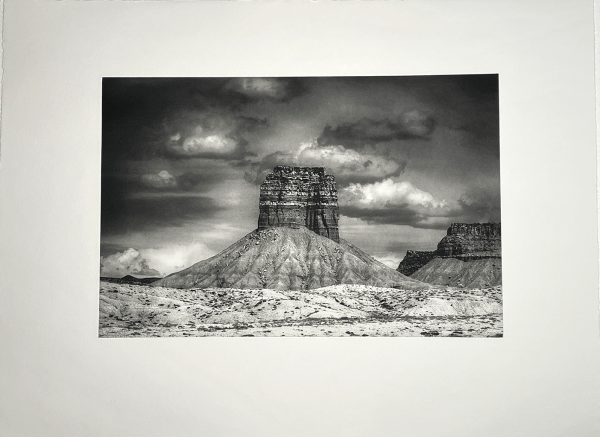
pixel 474 241
pixel 297 197
pixel 474 252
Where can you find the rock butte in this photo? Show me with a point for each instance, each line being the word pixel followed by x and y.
pixel 297 197
pixel 469 255
pixel 296 246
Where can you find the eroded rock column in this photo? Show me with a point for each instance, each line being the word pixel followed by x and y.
pixel 300 196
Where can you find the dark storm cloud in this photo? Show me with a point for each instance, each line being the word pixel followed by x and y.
pixel 399 215
pixel 144 118
pixel 190 180
pixel 125 210
pixel 481 204
pixel 467 103
pixel 412 124
pixel 135 109
pixel 484 211
pixel 483 129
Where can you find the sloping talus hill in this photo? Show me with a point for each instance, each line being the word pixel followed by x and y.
pixel 470 255
pixel 288 259
pixel 476 273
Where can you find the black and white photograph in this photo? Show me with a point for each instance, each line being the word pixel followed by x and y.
pixel 398 201
pixel 301 206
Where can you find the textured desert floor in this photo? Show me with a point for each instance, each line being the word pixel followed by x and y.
pixel 128 310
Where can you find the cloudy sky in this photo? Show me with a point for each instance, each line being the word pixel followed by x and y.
pixel 183 159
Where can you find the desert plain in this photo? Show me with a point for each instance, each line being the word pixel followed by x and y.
pixel 139 310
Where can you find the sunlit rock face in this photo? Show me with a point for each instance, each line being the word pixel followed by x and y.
pixel 297 197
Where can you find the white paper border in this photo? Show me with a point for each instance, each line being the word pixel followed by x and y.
pixel 59 379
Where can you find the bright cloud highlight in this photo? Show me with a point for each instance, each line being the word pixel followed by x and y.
pixel 128 262
pixel 388 193
pixel 154 261
pixel 346 164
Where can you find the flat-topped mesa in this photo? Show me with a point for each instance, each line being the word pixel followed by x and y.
pixel 297 197
pixel 463 241
pixel 474 240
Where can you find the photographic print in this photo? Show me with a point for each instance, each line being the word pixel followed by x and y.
pixel 301 206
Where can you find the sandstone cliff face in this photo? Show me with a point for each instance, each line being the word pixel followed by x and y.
pixel 477 240
pixel 469 255
pixel 297 197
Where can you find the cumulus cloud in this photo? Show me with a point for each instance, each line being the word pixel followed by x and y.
pixel 391 202
pixel 209 144
pixel 128 262
pixel 153 261
pixel 163 179
pixel 267 88
pixel 172 258
pixel 209 135
pixel 411 124
pixel 345 164
pixel 401 203
pixel 388 193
